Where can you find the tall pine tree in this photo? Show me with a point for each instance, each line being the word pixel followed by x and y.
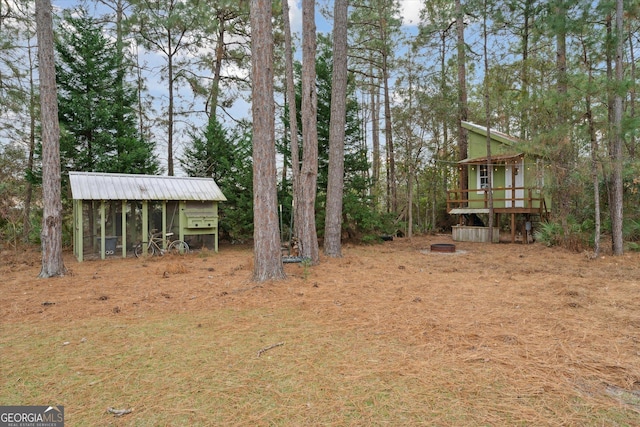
pixel 97 115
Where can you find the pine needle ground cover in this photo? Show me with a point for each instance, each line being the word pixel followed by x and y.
pixel 390 334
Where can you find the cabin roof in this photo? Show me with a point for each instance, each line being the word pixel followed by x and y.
pixel 497 135
pixel 500 158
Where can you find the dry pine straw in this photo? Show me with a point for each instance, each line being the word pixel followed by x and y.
pixel 505 329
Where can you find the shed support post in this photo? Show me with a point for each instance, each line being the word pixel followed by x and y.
pixel 102 231
pixel 145 226
pixel 74 208
pixel 513 228
pixel 183 219
pixel 93 225
pixel 124 229
pixel 164 224
pixel 78 229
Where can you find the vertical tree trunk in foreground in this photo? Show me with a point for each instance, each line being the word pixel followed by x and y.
pixel 463 111
pixel 392 187
pixel 616 149
pixel 563 151
pixel 293 120
pixel 375 136
pixel 309 173
pixel 170 110
pixel 335 185
pixel 51 234
pixel 267 257
pixel 593 138
pixel 32 145
pixel 487 115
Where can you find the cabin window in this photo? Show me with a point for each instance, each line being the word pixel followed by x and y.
pixel 539 174
pixel 483 176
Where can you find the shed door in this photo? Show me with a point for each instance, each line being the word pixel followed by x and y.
pixel 514 177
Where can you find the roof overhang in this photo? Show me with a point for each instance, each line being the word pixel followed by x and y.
pixel 500 158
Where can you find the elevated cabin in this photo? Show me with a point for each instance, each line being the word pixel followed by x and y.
pixel 114 212
pixel 514 177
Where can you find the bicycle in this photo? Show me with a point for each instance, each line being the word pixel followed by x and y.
pixel 154 246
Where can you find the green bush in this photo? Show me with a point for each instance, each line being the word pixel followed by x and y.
pixel 578 237
pixel 549 233
pixel 633 246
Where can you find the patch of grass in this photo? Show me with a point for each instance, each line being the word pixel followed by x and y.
pixel 208 369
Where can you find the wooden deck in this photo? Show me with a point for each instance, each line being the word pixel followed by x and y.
pixel 509 200
pixel 506 200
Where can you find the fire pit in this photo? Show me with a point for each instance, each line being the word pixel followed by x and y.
pixel 443 247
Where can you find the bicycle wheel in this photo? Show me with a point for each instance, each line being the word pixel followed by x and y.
pixel 137 250
pixel 178 247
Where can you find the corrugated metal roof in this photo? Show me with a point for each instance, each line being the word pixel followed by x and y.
pixel 116 186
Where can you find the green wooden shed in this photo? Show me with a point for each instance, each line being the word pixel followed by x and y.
pixel 114 212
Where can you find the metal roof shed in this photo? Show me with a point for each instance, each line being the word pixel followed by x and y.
pixel 121 209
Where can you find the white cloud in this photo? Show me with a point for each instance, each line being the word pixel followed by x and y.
pixel 295 16
pixel 410 12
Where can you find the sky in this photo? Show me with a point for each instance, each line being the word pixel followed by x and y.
pixel 410 11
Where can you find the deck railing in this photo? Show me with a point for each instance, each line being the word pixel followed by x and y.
pixel 527 199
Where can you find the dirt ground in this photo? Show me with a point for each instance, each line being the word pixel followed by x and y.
pixel 548 320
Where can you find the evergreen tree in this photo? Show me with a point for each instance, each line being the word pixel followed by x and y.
pixel 226 157
pixel 97 114
pixel 355 158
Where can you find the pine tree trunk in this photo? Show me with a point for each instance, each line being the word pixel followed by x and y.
pixel 308 239
pixel 594 173
pixel 563 150
pixel 267 257
pixel 524 71
pixel 375 136
pixel 51 234
pixel 335 185
pixel 632 96
pixel 487 116
pixel 616 149
pixel 388 134
pixel 32 147
pixel 293 121
pixel 170 111
pixel 462 97
pixel 392 196
pixel 217 67
pixel 593 139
